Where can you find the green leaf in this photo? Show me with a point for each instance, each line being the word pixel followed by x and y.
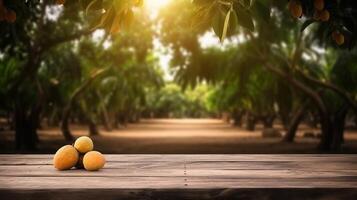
pixel 201 19
pixel 261 10
pixel 225 26
pixel 218 23
pixel 246 3
pixel 244 19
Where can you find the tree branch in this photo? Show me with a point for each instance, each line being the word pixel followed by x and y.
pixel 339 91
pixel 31 66
pixel 56 41
pixel 67 109
pixel 343 94
pixel 317 99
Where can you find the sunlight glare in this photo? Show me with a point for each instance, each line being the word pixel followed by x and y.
pixel 155 5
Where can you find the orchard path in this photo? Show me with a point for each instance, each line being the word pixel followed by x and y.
pixel 194 136
pixel 180 136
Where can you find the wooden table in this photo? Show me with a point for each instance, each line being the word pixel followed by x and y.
pixel 183 177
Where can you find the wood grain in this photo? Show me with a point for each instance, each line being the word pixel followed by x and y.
pixel 152 175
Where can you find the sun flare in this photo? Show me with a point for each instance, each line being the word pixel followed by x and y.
pixel 155 5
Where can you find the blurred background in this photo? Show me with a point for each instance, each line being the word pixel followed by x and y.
pixel 176 76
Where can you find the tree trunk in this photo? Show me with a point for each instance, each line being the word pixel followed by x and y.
pixel 237 118
pixel 115 121
pixel 338 128
pixel 67 110
pixel 326 132
pixel 20 133
pixel 10 120
pixel 294 124
pixel 312 120
pixel 27 120
pixel 268 121
pixel 53 120
pixel 106 119
pixel 65 125
pixel 285 119
pixel 325 142
pixel 92 127
pixel 25 129
pixel 251 121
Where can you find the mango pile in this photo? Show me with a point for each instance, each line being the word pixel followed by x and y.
pixel 80 156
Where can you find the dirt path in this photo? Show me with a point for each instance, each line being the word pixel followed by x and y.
pixel 181 136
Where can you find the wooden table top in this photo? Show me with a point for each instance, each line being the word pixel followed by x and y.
pixel 183 172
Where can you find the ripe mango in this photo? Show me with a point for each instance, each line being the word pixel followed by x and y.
pixel 65 158
pixel 338 37
pixel 83 144
pixel 295 8
pixel 319 4
pixel 324 15
pixel 93 161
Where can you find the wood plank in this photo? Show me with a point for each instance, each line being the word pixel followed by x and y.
pixel 182 171
pixel 49 171
pixel 183 177
pixel 12 183
pixel 183 194
pixel 204 157
pixel 178 170
pixel 89 182
pixel 273 165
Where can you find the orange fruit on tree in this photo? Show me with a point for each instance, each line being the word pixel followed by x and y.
pixel 60 2
pixel 338 37
pixel 319 4
pixel 324 15
pixel 295 8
